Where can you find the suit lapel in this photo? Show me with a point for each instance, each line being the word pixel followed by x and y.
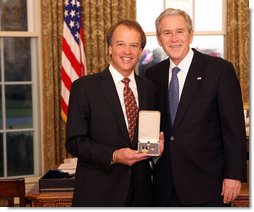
pixel 142 96
pixel 164 88
pixel 109 91
pixel 192 84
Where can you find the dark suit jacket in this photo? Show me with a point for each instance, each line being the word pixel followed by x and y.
pixel 95 128
pixel 207 142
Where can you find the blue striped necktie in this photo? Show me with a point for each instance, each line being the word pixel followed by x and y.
pixel 173 94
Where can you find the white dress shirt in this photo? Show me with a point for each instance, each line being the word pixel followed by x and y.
pixel 117 77
pixel 184 66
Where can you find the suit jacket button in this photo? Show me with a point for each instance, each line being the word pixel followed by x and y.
pixel 172 138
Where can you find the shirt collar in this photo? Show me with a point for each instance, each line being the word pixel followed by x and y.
pixel 117 77
pixel 184 65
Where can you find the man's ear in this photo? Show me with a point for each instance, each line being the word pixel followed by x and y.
pixel 158 39
pixel 110 50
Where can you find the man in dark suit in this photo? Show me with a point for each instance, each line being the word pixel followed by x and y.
pixel 204 160
pixel 110 171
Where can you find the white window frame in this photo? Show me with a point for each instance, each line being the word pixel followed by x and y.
pixel 33 32
pixel 201 33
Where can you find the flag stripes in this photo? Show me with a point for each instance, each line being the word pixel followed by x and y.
pixel 73 55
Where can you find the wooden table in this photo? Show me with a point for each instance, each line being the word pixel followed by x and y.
pixel 49 199
pixel 64 199
pixel 243 199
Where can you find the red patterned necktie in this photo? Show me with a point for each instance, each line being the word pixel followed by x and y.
pixel 130 107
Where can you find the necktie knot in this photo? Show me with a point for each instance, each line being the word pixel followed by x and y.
pixel 175 71
pixel 125 81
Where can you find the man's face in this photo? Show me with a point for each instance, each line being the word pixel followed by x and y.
pixel 125 49
pixel 174 37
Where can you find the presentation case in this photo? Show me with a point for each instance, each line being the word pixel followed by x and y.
pixel 149 132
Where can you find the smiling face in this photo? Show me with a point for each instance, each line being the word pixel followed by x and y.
pixel 125 49
pixel 174 37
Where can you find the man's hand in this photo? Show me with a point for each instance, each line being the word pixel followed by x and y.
pixel 128 156
pixel 230 190
pixel 161 142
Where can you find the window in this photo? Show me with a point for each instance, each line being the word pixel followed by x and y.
pixel 19 88
pixel 209 26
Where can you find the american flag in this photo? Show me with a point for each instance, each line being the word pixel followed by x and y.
pixel 73 55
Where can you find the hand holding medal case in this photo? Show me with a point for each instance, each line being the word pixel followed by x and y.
pixel 148 132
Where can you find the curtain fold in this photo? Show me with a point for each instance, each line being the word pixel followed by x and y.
pixel 97 16
pixel 238 42
pixel 53 128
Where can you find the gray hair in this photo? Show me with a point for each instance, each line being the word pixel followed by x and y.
pixel 173 12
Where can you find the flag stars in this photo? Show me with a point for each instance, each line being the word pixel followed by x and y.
pixel 66 2
pixel 72 24
pixel 73 2
pixel 66 13
pixel 77 35
pixel 72 17
pixel 72 13
pixel 77 25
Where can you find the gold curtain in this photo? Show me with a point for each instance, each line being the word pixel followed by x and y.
pixel 238 42
pixel 97 16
